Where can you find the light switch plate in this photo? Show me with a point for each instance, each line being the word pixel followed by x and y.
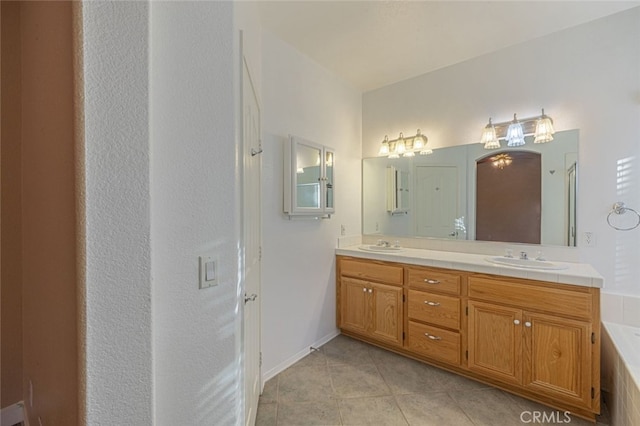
pixel 208 266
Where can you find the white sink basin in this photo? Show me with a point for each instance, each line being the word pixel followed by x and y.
pixel 391 249
pixel 525 263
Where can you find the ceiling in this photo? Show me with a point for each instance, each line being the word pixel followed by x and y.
pixel 375 43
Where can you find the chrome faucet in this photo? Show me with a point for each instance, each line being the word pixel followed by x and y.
pixel 382 243
pixel 523 255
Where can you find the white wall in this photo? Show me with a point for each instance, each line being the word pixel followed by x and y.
pixel 194 211
pixel 117 305
pixel 161 189
pixel 298 287
pixel 586 78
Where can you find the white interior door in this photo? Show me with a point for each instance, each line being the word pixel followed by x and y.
pixel 436 198
pixel 252 239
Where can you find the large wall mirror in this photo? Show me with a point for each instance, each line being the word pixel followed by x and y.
pixel 524 195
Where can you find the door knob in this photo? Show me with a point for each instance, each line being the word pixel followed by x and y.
pixel 251 298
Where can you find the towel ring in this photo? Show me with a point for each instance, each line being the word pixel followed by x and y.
pixel 619 208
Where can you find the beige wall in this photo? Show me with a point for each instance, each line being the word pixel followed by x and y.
pixel 48 281
pixel 10 137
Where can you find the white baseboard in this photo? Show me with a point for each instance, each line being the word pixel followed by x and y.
pixel 13 414
pixel 297 357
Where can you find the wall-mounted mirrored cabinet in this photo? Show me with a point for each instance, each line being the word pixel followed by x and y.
pixel 397 191
pixel 308 178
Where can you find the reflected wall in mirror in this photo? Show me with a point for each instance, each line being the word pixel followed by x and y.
pixel 443 193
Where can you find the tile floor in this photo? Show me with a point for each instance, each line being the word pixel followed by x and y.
pixel 347 382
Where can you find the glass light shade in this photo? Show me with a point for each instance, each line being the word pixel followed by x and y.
pixel 515 135
pixel 544 130
pixel 384 148
pixel 409 154
pixel 419 141
pixel 489 137
pixel 400 147
pixel 299 170
pixel 394 155
pixel 426 151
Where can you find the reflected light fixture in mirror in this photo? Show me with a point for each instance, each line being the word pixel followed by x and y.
pixel 514 131
pixel 515 135
pixel 501 161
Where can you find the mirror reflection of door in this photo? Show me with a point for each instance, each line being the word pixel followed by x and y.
pixel 436 201
pixel 508 197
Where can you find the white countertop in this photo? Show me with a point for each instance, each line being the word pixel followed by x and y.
pixel 575 273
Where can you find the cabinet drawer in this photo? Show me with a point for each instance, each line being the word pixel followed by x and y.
pixel 389 274
pixel 434 308
pixel 574 303
pixel 434 342
pixel 434 280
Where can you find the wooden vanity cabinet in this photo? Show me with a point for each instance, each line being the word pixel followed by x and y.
pixel 535 335
pixel 371 305
pixel 536 339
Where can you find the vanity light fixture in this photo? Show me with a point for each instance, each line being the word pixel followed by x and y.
pixel 514 131
pixel 544 129
pixel 489 137
pixel 405 146
pixel 384 148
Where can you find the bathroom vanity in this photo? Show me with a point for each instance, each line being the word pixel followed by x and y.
pixel 535 333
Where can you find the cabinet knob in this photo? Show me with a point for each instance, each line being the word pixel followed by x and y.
pixel 430 281
pixel 432 337
pixel 516 322
pixel 527 324
pixel 427 302
pixel 370 290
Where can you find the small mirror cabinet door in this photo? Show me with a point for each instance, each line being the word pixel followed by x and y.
pixel 308 177
pixel 329 180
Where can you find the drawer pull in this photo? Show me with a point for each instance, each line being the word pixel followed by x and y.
pixel 432 337
pixel 430 281
pixel 427 302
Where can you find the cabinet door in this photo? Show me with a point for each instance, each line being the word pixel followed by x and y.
pixel 329 181
pixel 559 351
pixel 386 320
pixel 495 341
pixel 355 305
pixel 307 177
